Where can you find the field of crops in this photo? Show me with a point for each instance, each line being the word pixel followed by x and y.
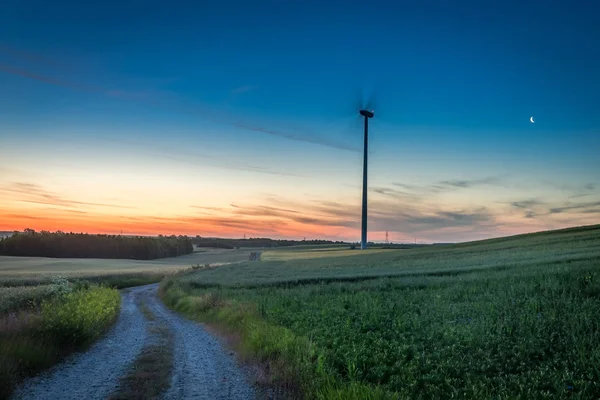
pixel 27 271
pixel 507 318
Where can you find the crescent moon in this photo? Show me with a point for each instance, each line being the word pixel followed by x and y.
pixel 532 121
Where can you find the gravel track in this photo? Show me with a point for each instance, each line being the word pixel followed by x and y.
pixel 202 369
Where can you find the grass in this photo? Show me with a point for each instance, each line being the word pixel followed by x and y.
pixel 150 374
pixel 31 341
pixel 19 297
pixel 510 318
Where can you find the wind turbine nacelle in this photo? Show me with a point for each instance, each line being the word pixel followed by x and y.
pixel 366 113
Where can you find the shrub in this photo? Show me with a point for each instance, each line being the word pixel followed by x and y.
pixel 79 317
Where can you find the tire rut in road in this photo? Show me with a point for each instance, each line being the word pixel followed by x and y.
pixel 202 368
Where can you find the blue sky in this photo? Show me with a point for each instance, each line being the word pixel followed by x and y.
pixel 259 100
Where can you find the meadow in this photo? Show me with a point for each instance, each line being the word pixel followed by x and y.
pixel 507 318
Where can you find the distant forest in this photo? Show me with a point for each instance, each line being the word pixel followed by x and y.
pixel 256 242
pixel 81 245
pixel 221 243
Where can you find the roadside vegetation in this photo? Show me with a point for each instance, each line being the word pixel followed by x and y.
pixel 507 318
pixel 43 318
pixel 79 245
pixel 67 318
pixel 26 293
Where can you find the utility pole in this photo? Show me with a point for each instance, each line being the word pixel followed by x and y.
pixel 363 236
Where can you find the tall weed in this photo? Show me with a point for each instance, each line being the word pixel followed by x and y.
pixel 67 322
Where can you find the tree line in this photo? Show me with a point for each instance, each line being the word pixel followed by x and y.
pixel 82 245
pixel 222 243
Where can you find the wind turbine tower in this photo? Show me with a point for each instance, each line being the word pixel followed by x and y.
pixel 363 237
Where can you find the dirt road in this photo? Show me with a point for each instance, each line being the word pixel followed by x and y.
pixel 202 368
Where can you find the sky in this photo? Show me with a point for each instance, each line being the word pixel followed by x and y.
pixel 238 118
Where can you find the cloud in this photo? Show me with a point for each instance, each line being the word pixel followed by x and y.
pixel 537 208
pixel 466 183
pixel 41 78
pixel 526 204
pixel 29 56
pixel 578 207
pixel 313 217
pixel 583 191
pixel 134 95
pixel 416 192
pixel 192 157
pixel 419 220
pixel 204 111
pixel 383 215
pixel 243 89
pixel 196 160
pixel 531 207
pixel 288 134
pixel 530 214
pixel 35 194
pixel 283 217
pixel 208 208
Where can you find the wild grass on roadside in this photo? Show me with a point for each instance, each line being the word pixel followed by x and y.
pixel 13 299
pixel 114 280
pixel 35 340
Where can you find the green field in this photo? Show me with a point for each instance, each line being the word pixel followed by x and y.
pixel 26 271
pixel 515 317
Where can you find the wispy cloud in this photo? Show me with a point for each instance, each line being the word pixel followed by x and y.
pixel 411 191
pixel 586 190
pixel 192 158
pixel 468 183
pixel 30 56
pixel 393 216
pixel 585 207
pixel 535 208
pixel 280 216
pixel 45 79
pixel 133 95
pixel 35 194
pixel 174 103
pixel 527 204
pixel 243 89
pixel 530 214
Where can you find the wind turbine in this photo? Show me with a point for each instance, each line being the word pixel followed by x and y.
pixel 363 235
pixel 365 110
